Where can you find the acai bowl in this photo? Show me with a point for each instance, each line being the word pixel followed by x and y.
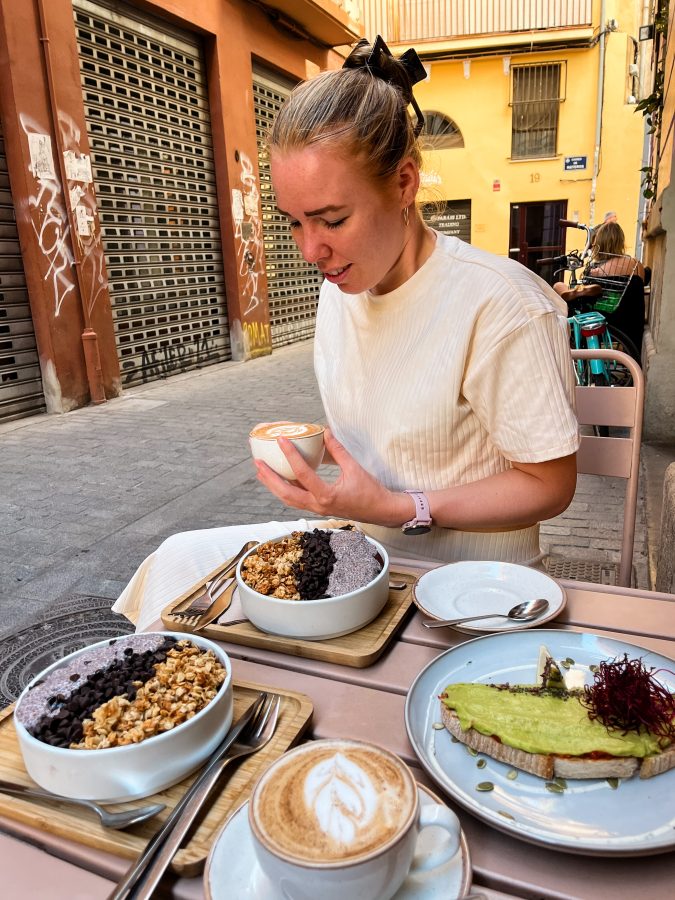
pixel 314 585
pixel 151 708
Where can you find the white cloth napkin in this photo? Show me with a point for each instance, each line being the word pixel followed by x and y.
pixel 184 559
pixel 234 612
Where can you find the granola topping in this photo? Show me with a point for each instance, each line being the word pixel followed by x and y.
pixel 310 565
pixel 183 684
pixel 132 692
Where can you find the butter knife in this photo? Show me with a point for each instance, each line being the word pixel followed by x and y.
pixel 125 888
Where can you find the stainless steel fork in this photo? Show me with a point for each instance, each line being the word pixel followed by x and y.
pixel 254 738
pixel 201 603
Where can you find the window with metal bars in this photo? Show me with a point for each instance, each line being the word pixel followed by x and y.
pixel 536 94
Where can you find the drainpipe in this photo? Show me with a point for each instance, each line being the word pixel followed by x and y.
pixel 92 357
pixel 598 114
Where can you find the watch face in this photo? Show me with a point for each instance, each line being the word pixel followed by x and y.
pixel 417 529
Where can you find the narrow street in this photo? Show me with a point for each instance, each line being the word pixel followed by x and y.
pixel 86 496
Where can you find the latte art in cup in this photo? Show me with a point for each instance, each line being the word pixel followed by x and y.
pixel 306 438
pixel 271 431
pixel 333 802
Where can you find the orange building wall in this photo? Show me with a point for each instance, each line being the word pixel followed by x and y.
pixel 66 273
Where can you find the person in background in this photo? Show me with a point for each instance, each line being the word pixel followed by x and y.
pixel 609 253
pixel 444 371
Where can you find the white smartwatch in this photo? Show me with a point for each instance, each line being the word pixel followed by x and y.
pixel 422 521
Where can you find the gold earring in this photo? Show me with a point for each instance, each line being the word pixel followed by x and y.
pixel 406 216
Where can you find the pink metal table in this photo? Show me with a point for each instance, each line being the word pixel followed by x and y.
pixel 369 704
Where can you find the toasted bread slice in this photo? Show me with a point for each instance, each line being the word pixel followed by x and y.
pixel 657 765
pixel 552 766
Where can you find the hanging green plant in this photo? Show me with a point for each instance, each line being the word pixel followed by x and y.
pixel 651 107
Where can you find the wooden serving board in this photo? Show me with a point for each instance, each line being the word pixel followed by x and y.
pixel 359 649
pixel 83 827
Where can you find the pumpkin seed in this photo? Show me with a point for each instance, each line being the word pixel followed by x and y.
pixel 554 788
pixel 512 774
pixel 438 726
pixel 485 786
pixel 472 751
pixel 613 783
pixel 560 781
pixel 506 815
pixel 481 763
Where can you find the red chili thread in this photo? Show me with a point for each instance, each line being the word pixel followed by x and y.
pixel 625 697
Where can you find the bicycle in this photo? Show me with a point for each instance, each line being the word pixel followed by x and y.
pixel 590 297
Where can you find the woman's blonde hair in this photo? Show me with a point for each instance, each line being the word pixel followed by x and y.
pixel 609 240
pixel 355 110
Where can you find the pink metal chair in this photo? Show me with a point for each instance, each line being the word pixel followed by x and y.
pixel 619 407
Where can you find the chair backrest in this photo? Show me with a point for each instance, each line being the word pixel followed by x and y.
pixel 620 407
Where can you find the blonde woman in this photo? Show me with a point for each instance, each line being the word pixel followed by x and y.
pixel 444 371
pixel 609 254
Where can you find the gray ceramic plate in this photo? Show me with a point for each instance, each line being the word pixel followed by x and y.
pixel 590 817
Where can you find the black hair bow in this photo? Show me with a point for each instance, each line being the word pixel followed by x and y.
pixel 403 72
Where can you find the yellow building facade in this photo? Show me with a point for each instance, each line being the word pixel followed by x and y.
pixel 589 166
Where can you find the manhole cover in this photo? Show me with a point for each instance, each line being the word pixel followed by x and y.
pixel 71 623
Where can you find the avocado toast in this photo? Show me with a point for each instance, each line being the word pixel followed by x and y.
pixel 551 731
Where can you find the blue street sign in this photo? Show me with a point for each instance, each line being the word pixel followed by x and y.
pixel 573 163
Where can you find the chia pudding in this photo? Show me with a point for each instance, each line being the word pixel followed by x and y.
pixel 121 692
pixel 311 565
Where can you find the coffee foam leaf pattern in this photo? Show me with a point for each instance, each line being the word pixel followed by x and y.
pixel 274 430
pixel 342 798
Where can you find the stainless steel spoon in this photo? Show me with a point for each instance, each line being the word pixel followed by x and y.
pixel 523 612
pixel 109 819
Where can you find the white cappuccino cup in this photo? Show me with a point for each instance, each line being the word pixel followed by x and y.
pixel 339 820
pixel 306 437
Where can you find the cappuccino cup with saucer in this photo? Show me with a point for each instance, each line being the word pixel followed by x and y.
pixel 341 818
pixel 305 436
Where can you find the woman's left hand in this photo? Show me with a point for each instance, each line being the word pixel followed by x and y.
pixel 355 494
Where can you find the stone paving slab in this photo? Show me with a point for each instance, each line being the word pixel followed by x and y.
pixel 85 496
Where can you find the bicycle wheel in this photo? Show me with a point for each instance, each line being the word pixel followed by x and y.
pixel 620 376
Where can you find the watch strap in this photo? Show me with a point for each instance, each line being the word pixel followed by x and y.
pixel 422 520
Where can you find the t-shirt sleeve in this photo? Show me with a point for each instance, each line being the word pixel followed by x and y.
pixel 522 391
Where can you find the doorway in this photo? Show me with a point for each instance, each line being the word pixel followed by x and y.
pixel 535 232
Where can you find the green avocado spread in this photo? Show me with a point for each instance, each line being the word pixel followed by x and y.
pixel 541 722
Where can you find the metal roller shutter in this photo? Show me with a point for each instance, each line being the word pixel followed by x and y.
pixel 146 104
pixel 20 379
pixel 293 285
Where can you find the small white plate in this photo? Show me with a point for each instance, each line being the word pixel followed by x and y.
pixel 232 871
pixel 470 588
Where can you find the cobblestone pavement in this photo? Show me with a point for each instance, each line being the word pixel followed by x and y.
pixel 86 496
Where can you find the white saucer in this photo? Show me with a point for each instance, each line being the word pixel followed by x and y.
pixel 232 870
pixel 471 588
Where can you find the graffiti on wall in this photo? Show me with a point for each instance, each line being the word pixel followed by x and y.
pixel 82 201
pixel 158 362
pixel 257 336
pixel 249 247
pixel 49 215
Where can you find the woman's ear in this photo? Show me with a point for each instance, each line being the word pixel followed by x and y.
pixel 408 180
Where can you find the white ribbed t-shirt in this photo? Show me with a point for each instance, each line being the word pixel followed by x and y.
pixel 446 380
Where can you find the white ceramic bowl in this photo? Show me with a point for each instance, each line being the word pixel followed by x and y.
pixel 267 449
pixel 316 620
pixel 136 770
